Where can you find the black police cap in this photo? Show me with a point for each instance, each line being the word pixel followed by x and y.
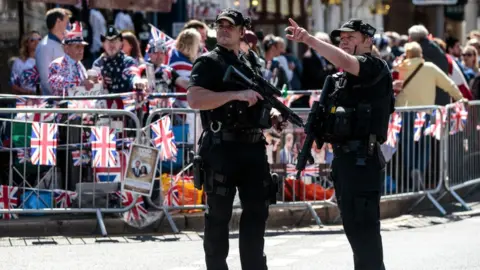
pixel 233 16
pixel 354 26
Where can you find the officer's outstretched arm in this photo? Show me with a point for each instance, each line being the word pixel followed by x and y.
pixel 199 98
pixel 336 56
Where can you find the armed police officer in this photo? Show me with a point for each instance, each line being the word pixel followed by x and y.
pixel 232 150
pixel 358 111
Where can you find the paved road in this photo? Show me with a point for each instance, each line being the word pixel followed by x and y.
pixel 451 246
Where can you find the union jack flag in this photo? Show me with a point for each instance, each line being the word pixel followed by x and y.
pixel 394 128
pixel 435 125
pixel 289 99
pixel 164 139
pixel 173 195
pixel 103 147
pixel 156 34
pixel 459 118
pixel 115 173
pixel 22 156
pixel 44 144
pixel 80 159
pixel 8 200
pixel 64 198
pixel 418 125
pixel 129 101
pixel 138 211
pixel 312 170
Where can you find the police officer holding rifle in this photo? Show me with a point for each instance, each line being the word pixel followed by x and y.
pixel 232 150
pixel 352 115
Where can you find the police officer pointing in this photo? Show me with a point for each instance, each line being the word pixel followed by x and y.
pixel 232 150
pixel 359 109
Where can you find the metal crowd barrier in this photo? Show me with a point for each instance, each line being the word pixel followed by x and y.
pixel 417 168
pixel 461 149
pixel 54 184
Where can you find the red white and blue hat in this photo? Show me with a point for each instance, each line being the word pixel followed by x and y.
pixel 75 35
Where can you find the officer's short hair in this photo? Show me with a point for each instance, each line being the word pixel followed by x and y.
pixel 57 13
pixel 413 49
pixel 417 32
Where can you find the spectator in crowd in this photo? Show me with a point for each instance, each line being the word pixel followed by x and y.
pixel 50 47
pixel 296 66
pixel 283 61
pixel 475 43
pixel 431 53
pixel 123 21
pixel 469 61
pixel 131 47
pixel 382 43
pixel 394 43
pixel 99 28
pixel 26 60
pixel 68 72
pixel 181 60
pixel 202 28
pixel 454 71
pixel 427 78
pixel 316 66
pixel 249 41
pixel 119 71
pixel 453 47
pixel 274 72
pixel 142 29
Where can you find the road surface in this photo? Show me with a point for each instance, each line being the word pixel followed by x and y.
pixel 451 246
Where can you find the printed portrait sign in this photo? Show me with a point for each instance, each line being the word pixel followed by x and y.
pixel 150 72
pixel 141 169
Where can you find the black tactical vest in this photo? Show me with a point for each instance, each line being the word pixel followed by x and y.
pixel 357 111
pixel 234 115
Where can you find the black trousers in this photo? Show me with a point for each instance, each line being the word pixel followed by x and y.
pixel 358 191
pixel 244 166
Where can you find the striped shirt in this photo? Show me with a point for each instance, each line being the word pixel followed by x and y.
pixel 183 66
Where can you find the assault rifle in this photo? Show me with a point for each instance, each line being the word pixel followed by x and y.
pixel 264 88
pixel 315 124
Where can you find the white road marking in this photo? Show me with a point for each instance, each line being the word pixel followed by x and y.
pixel 185 268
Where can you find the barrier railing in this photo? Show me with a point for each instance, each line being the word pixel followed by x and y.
pixel 420 162
pixel 48 150
pixel 461 147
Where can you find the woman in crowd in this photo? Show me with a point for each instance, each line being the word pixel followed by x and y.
pixel 25 61
pixel 181 60
pixel 131 47
pixel 470 63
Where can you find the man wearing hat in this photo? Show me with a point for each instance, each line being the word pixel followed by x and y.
pixel 67 72
pixel 361 104
pixel 166 77
pixel 232 147
pixel 119 71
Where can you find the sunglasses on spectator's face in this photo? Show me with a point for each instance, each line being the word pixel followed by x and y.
pixel 34 39
pixel 467 54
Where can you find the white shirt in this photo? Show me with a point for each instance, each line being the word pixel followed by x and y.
pixel 47 51
pixel 123 22
pixel 99 27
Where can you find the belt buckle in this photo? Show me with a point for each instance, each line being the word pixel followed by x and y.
pixel 216 130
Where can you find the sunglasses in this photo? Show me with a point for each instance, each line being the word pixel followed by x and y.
pixel 34 39
pixel 467 54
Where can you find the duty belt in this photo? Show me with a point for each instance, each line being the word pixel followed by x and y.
pixel 241 136
pixel 348 146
